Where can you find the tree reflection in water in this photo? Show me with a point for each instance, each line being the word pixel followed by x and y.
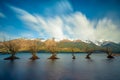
pixel 65 68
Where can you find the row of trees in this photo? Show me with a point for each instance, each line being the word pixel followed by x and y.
pixel 106 50
pixel 14 46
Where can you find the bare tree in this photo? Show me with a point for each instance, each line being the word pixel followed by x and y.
pixel 73 53
pixel 12 47
pixel 73 50
pixel 51 46
pixel 34 47
pixel 89 51
pixel 109 53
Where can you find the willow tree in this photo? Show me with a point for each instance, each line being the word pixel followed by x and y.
pixel 73 53
pixel 109 53
pixel 89 51
pixel 73 50
pixel 51 46
pixel 12 47
pixel 34 47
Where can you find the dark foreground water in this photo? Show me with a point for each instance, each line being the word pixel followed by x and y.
pixel 98 68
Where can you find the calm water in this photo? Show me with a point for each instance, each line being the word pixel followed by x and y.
pixel 98 68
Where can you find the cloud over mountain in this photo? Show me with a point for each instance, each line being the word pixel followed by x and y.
pixel 73 26
pixel 63 22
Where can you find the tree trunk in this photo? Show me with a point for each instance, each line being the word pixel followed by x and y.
pixel 73 56
pixel 34 56
pixel 88 56
pixel 109 54
pixel 54 56
pixel 12 57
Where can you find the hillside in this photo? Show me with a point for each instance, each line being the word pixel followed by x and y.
pixel 68 45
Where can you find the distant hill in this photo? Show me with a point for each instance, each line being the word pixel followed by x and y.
pixel 75 45
pixel 115 47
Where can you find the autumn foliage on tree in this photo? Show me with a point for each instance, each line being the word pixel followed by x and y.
pixel 34 47
pixel 12 47
pixel 109 52
pixel 51 46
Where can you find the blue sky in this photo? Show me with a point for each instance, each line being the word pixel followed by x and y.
pixel 72 19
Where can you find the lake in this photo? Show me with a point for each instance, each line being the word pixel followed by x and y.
pixel 65 68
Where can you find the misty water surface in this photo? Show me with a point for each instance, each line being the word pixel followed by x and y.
pixel 97 68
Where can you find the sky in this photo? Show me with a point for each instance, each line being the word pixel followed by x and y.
pixel 94 20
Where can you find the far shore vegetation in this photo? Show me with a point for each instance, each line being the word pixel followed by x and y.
pixel 50 45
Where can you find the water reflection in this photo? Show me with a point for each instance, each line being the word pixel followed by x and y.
pixel 90 60
pixel 110 60
pixel 53 69
pixel 32 71
pixel 65 68
pixel 8 72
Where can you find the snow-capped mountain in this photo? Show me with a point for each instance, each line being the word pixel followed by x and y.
pixel 115 47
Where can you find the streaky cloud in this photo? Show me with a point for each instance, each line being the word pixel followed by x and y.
pixel 2 15
pixel 73 26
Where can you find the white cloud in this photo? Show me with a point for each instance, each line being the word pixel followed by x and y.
pixel 59 8
pixel 51 27
pixel 63 6
pixel 24 15
pixel 107 30
pixel 2 15
pixel 27 35
pixel 54 27
pixel 2 36
pixel 6 36
pixel 80 26
pixel 73 26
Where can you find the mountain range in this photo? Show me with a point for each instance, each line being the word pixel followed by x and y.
pixel 75 45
